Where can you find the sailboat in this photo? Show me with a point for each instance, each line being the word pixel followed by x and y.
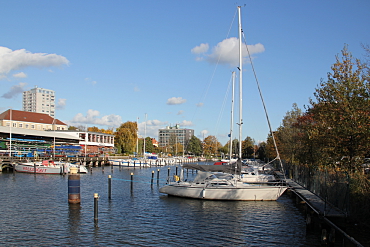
pixel 222 182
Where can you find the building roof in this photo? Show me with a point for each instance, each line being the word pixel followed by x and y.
pixel 32 117
pixel 27 132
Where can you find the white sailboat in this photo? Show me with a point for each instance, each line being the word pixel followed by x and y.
pixel 222 182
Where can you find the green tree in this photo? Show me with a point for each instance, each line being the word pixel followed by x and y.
pixel 149 147
pixel 126 136
pixel 261 151
pixel 195 146
pixel 287 134
pixel 248 147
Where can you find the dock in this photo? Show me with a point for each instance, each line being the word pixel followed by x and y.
pixel 320 215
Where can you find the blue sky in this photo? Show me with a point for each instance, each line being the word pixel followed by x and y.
pixel 115 61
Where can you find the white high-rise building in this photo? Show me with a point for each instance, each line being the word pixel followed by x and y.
pixel 39 100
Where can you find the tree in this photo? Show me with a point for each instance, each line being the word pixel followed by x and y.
pixel 126 136
pixel 195 146
pixel 287 134
pixel 72 128
pixel 341 114
pixel 261 151
pixel 93 129
pixel 248 147
pixel 211 145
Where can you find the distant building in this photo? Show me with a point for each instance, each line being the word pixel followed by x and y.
pixel 39 100
pixel 93 142
pixel 171 135
pixel 30 131
pixel 155 142
pixel 30 120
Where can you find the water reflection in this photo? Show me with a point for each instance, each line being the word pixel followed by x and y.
pixel 74 219
pixel 138 215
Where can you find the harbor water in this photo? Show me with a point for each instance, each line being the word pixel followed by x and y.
pixel 35 212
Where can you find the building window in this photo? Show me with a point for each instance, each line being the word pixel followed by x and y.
pixel 32 126
pixel 14 124
pixel 20 125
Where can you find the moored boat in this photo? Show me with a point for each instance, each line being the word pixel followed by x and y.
pixel 47 167
pixel 222 186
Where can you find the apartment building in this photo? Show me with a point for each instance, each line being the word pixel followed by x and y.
pixel 174 134
pixel 39 100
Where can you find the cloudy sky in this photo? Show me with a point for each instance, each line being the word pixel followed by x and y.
pixel 166 62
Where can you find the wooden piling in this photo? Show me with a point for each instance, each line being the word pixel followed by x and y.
pixel 109 187
pixel 74 186
pixel 96 198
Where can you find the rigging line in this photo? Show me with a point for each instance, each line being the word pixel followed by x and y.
pixel 264 107
pixel 214 71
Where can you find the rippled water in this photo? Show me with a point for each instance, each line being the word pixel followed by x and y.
pixel 35 212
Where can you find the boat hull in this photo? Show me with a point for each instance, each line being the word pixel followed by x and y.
pixel 244 193
pixel 29 168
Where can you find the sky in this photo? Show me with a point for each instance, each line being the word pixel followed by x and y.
pixel 163 63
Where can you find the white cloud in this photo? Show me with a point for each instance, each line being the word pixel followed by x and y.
pixel 180 112
pixel 200 104
pixel 202 48
pixel 14 91
pixel 88 80
pixel 203 133
pixel 186 123
pixel 175 101
pixel 151 128
pixel 227 52
pixel 92 117
pixel 19 59
pixel 61 104
pixel 20 75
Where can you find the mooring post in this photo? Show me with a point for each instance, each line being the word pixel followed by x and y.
pixel 96 198
pixel 34 168
pixel 109 187
pixel 74 186
pixel 152 177
pixel 168 172
pixel 176 170
pixel 157 175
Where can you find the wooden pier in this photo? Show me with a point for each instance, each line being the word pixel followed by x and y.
pixel 320 215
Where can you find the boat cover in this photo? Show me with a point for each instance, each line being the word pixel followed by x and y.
pixel 234 168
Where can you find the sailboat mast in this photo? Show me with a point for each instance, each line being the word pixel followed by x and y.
pixel 232 116
pixel 240 84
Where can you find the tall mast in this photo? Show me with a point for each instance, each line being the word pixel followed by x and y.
pixel 10 135
pixel 240 84
pixel 144 135
pixel 232 117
